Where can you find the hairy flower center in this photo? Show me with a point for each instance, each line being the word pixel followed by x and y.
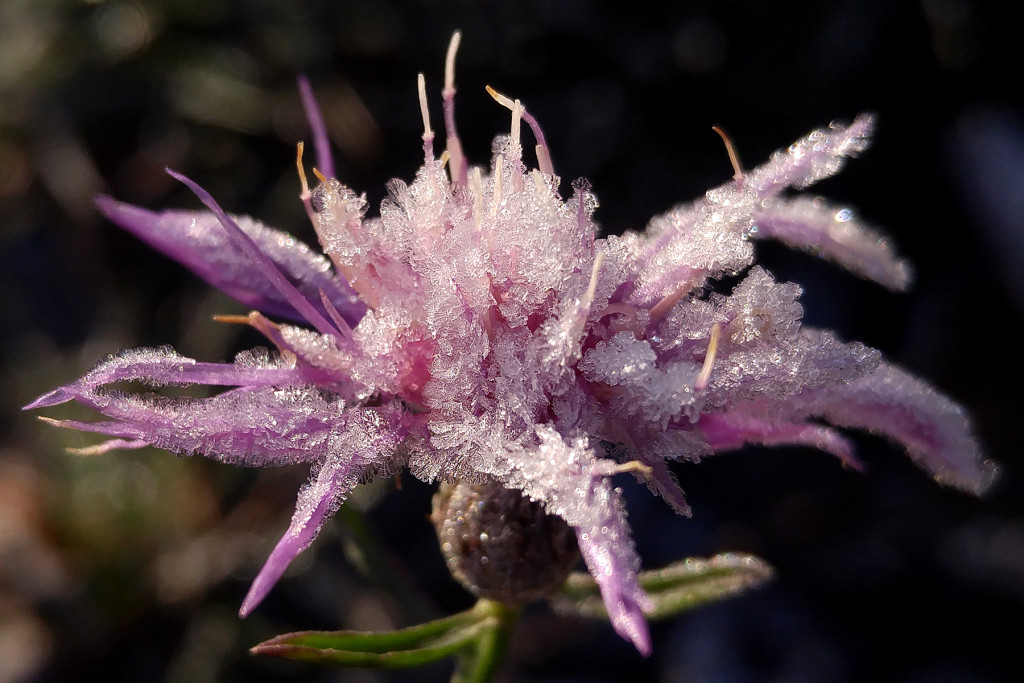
pixel 501 545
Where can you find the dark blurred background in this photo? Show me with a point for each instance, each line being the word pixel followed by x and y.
pixel 130 566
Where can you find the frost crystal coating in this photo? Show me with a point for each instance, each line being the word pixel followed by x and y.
pixel 479 330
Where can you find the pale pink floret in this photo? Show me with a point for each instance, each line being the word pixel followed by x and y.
pixel 478 328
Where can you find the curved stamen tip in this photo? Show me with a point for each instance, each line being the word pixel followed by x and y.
pixel 300 148
pixel 734 158
pixel 503 100
pixel 321 139
pixel 519 112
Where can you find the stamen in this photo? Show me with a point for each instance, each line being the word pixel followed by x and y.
pixel 319 176
pixel 302 172
pixel 503 100
pixel 476 187
pixel 97 449
pixel 666 304
pixel 709 358
pixel 635 466
pixel 543 156
pixel 734 158
pixel 305 195
pixel 609 468
pixel 588 298
pixel 232 319
pixel 514 105
pixel 499 167
pixel 457 165
pixel 543 153
pixel 428 134
pixel 517 119
pixel 335 316
pixel 538 182
pixel 449 62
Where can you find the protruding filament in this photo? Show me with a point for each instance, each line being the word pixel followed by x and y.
pixel 449 62
pixel 517 119
pixel 476 187
pixel 587 300
pixel 456 166
pixel 609 468
pixel 335 316
pixel 709 358
pixel 666 304
pixel 305 195
pixel 499 167
pixel 319 176
pixel 503 100
pixel 588 297
pixel 515 106
pixel 734 158
pixel 232 319
pixel 428 134
pixel 302 172
pixel 543 153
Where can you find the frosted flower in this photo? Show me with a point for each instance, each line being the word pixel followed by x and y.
pixel 479 330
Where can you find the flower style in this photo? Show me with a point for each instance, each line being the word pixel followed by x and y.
pixel 480 330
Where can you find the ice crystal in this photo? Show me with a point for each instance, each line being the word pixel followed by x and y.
pixel 479 330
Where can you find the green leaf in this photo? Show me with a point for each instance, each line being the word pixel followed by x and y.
pixel 408 647
pixel 676 588
pixel 469 635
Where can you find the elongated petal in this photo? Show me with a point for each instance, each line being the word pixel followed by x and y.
pixel 730 431
pixel 890 402
pixel 164 366
pixel 196 240
pixel 814 157
pixel 693 242
pixel 302 304
pixel 569 481
pixel 363 439
pixel 321 141
pixel 274 417
pixel 833 233
pixel 263 427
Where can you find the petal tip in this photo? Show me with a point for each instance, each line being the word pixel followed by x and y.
pixel 50 398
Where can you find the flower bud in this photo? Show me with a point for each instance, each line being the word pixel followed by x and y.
pixel 501 545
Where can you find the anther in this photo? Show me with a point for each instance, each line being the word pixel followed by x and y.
pixel 734 158
pixel 302 172
pixel 233 319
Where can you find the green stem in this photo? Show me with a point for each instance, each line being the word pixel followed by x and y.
pixel 479 663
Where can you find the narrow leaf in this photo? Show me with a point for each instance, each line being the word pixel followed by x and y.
pixel 414 646
pixel 676 588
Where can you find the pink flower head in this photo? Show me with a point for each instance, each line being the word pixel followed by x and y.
pixel 479 329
